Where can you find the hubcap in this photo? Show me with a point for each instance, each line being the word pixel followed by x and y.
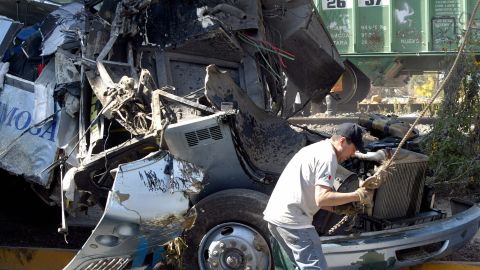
pixel 232 246
pixel 234 259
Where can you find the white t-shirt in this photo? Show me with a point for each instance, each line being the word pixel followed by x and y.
pixel 292 203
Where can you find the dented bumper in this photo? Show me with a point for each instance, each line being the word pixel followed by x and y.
pixel 403 247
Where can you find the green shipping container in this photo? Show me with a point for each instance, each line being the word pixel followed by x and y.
pixel 386 41
pixel 395 26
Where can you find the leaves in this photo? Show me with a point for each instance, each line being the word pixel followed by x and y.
pixel 453 144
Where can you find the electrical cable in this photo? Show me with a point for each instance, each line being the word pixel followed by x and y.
pixel 64 158
pixel 105 145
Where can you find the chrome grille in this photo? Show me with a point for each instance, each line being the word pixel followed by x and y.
pixel 117 263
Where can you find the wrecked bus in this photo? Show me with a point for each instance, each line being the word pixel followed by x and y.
pixel 171 117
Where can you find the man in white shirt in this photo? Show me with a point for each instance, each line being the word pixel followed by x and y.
pixel 305 186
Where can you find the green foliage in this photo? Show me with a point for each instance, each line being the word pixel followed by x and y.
pixel 454 143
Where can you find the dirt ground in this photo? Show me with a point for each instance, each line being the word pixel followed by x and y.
pixel 444 192
pixel 470 253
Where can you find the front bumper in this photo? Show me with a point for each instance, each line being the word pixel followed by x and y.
pixel 403 247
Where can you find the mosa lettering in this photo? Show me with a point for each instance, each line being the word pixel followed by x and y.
pixel 20 119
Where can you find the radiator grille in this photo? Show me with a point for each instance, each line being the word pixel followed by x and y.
pixel 203 135
pixel 118 263
pixel 401 195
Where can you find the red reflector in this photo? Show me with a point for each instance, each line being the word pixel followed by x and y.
pixel 40 68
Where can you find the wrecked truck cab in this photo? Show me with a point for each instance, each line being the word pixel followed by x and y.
pixel 179 111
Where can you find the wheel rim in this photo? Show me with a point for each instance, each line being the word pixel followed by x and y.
pixel 232 246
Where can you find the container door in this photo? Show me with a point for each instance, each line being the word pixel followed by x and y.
pixel 373 25
pixel 338 18
pixel 447 22
pixel 410 30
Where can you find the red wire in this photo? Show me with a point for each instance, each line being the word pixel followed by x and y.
pixel 277 49
pixel 281 61
pixel 272 46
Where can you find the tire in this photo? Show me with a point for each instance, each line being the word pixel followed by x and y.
pixel 356 86
pixel 229 232
pixel 356 89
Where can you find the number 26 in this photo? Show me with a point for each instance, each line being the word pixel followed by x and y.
pixel 337 3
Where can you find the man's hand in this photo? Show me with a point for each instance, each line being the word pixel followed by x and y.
pixel 365 195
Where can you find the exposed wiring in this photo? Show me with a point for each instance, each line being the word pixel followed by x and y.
pixel 270 60
pixel 270 69
pixel 273 49
pixel 100 113
pixel 105 145
pixel 64 158
pixel 261 50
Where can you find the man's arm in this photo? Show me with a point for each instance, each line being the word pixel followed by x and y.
pixel 325 196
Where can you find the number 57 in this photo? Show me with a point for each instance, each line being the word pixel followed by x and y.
pixel 373 2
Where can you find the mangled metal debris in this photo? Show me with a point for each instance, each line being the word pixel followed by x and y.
pixel 61 28
pixel 269 140
pixel 9 29
pixel 146 208
pixel 149 109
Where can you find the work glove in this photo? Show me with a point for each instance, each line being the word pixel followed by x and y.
pixel 345 209
pixel 372 182
pixel 366 196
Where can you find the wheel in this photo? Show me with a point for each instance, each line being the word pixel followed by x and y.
pixel 229 233
pixel 356 86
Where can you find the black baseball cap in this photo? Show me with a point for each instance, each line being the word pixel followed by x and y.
pixel 353 133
